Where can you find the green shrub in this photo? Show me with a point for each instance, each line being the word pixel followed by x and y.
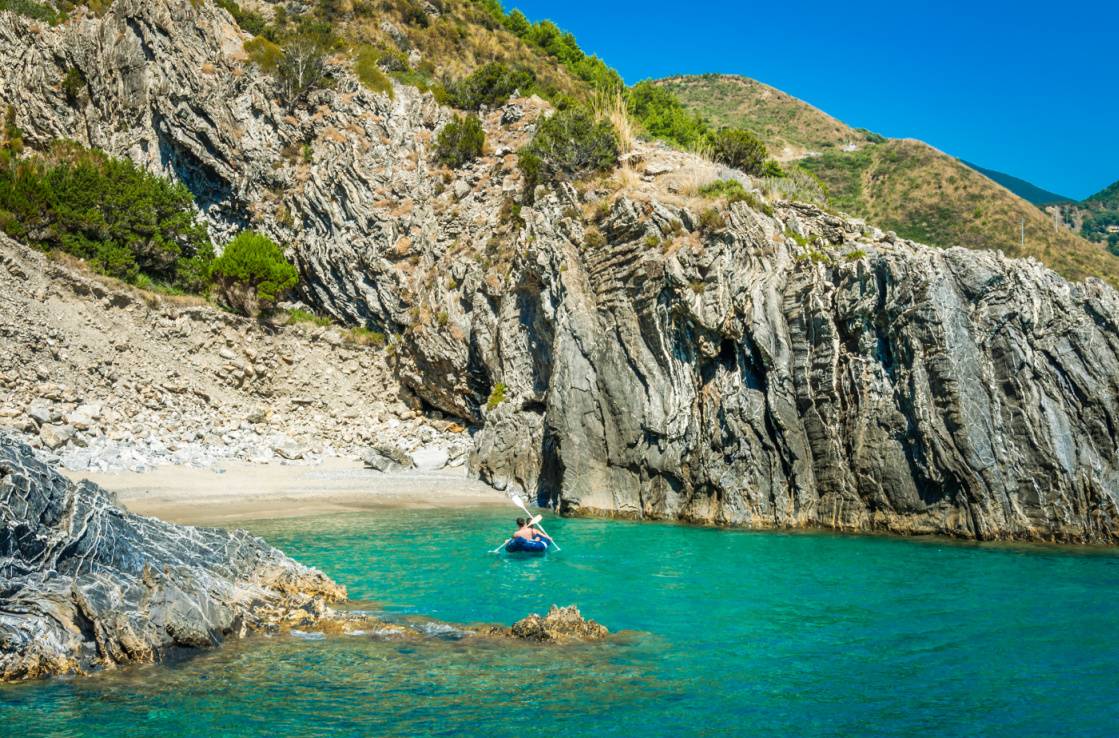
pixel 368 71
pixel 12 143
pixel 123 220
pixel 593 239
pixel 362 336
pixel 872 137
pixel 264 53
pixel 661 115
pixel 252 273
pixel 711 220
pixel 413 13
pixel 490 85
pixel 72 84
pixel 570 144
pixel 729 188
pixel 306 316
pixel 772 169
pixel 497 396
pixel 460 142
pixel 34 10
pixel 740 149
pixel 248 20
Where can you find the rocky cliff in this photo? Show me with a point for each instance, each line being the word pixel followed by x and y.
pixel 87 584
pixel 622 347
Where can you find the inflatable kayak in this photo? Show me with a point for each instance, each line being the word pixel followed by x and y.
pixel 520 545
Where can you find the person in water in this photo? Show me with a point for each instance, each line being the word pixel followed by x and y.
pixel 527 531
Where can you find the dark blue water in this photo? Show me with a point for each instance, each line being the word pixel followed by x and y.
pixel 725 633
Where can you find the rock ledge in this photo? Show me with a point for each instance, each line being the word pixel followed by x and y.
pixel 86 584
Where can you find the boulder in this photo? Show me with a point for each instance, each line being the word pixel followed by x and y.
pixel 387 458
pixel 287 448
pixel 42 411
pixel 430 458
pixel 87 584
pixel 56 436
pixel 560 625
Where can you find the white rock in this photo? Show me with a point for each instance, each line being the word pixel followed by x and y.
pixel 430 458
pixel 54 436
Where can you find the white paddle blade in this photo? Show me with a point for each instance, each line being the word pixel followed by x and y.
pixel 518 501
pixel 536 519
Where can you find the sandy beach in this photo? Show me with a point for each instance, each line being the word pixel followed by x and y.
pixel 243 491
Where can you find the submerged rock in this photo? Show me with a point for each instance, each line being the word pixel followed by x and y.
pixel 560 625
pixel 86 584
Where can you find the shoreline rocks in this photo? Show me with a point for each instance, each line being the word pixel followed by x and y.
pixel 88 585
pixel 560 625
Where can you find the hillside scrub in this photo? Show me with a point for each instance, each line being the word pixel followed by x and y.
pixel 460 142
pixel 491 85
pixel 252 273
pixel 368 71
pixel 125 222
pixel 740 149
pixel 35 10
pixel 661 115
pixel 568 145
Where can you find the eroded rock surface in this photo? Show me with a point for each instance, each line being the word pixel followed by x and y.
pixel 560 625
pixel 84 584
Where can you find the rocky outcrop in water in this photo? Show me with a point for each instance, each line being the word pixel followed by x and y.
pixel 86 584
pixel 623 348
pixel 560 625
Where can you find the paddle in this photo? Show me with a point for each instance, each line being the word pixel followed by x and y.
pixel 521 504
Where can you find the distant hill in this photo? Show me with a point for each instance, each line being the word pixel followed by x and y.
pixel 1020 187
pixel 900 184
pixel 1105 198
pixel 1096 218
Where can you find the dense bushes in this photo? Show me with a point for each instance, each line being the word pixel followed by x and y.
pixel 368 70
pixel 252 273
pixel 569 144
pixel 546 36
pixel 460 142
pixel 739 149
pixel 661 115
pixel 126 222
pixel 248 20
pixel 490 85
pixel 36 10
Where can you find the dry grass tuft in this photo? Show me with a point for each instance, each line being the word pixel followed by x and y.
pixel 610 106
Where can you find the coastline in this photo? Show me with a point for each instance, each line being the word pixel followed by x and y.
pixel 239 491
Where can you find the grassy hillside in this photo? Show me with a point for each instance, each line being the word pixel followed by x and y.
pixel 903 185
pixel 1020 187
pixel 790 127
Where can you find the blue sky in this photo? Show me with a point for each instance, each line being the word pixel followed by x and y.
pixel 1025 88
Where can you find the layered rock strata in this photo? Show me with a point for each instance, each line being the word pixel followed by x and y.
pixel 87 585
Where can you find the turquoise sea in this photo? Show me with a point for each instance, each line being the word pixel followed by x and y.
pixel 723 633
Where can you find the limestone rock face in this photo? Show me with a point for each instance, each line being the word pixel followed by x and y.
pixel 866 384
pixel 87 584
pixel 768 366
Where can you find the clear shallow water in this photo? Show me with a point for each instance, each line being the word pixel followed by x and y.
pixel 734 634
